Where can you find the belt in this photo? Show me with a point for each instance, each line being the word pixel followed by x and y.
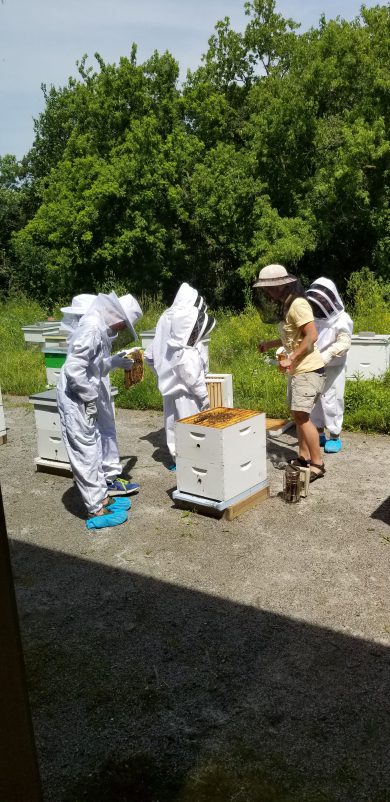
pixel 319 370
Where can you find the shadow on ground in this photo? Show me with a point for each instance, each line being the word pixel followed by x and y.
pixel 72 500
pixel 280 452
pixel 144 691
pixel 158 441
pixel 382 513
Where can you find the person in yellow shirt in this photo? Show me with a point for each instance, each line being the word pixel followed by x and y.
pixel 281 299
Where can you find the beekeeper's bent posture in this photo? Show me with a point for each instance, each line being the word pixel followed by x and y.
pixel 334 328
pixel 84 400
pixel 179 359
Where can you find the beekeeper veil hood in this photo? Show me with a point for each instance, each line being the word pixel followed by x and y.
pixel 112 310
pixel 189 327
pixel 325 299
pixel 185 296
pixel 72 314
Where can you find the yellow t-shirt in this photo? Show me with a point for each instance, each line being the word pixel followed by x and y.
pixel 298 315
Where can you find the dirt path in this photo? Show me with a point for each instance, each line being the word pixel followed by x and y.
pixel 251 649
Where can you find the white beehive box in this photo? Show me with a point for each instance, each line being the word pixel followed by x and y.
pixel 3 428
pixel 147 337
pixel 220 453
pixel 220 389
pixel 51 446
pixel 34 334
pixel 369 355
pixel 47 421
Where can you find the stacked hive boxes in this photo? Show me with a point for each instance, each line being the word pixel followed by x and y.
pixel 51 447
pixel 34 334
pixel 221 453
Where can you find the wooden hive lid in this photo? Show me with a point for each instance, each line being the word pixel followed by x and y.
pixel 219 417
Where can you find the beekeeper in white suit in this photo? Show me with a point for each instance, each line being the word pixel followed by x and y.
pixel 84 400
pixel 72 314
pixel 334 328
pixel 179 359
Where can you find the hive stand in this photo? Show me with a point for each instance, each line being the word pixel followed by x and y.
pixel 234 508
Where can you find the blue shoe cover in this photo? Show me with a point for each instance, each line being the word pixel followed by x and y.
pixel 172 467
pixel 333 446
pixel 119 502
pixel 322 440
pixel 115 517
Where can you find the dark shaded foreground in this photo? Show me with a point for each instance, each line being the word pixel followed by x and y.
pixel 144 691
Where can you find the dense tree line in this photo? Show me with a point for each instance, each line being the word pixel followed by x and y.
pixel 275 149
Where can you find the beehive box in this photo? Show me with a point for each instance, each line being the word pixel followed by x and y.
pixel 34 334
pixel 368 356
pixel 147 337
pixel 48 426
pixel 220 453
pixel 51 447
pixel 3 429
pixel 54 360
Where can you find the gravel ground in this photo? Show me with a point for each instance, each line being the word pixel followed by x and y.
pixel 187 638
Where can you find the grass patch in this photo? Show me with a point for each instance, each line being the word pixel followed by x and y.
pixel 22 370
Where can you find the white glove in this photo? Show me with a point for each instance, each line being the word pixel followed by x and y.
pixel 205 404
pixel 118 361
pixel 91 412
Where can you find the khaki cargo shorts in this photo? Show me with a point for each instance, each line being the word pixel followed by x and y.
pixel 303 390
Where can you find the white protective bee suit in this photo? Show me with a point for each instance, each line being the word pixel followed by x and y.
pixel 181 367
pixel 334 328
pixel 91 443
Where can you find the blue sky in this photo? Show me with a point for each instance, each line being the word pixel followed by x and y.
pixel 40 41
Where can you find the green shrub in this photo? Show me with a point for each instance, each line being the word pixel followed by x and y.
pixel 369 302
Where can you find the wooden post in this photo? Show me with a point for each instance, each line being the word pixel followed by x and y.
pixel 19 774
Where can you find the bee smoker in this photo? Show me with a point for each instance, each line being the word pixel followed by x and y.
pixel 292 484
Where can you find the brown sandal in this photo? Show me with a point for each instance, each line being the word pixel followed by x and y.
pixel 313 475
pixel 300 462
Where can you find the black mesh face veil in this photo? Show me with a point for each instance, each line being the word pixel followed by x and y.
pixel 200 303
pixel 209 326
pixel 268 309
pixel 324 301
pixel 198 328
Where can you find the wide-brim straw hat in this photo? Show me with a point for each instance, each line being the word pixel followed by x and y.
pixel 274 276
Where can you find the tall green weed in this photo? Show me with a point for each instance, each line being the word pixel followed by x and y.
pixel 22 369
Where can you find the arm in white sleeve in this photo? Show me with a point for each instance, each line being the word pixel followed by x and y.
pixel 189 370
pixel 76 368
pixel 340 347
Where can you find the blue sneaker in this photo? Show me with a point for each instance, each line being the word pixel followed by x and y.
pixel 322 440
pixel 172 467
pixel 333 446
pixel 121 487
